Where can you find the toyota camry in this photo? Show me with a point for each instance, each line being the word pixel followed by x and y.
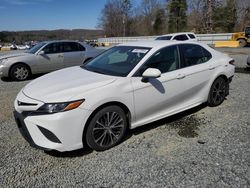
pixel 127 86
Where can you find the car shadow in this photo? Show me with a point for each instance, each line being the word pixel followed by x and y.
pixel 164 121
pixel 130 133
pixel 7 79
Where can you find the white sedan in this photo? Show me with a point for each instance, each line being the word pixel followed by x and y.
pixel 127 86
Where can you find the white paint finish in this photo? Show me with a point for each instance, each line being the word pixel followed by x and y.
pixel 160 97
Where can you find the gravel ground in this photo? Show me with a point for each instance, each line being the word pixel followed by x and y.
pixel 203 147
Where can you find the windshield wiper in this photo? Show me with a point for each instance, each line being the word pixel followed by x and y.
pixel 91 70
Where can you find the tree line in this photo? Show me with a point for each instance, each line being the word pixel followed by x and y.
pixel 156 17
pixel 20 37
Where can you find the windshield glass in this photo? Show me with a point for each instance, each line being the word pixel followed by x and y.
pixel 117 61
pixel 36 47
pixel 164 38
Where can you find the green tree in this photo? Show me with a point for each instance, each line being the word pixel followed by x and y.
pixel 177 15
pixel 159 24
pixel 225 17
pixel 114 17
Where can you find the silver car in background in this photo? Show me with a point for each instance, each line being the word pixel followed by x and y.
pixel 46 57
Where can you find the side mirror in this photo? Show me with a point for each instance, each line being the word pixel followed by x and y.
pixel 150 73
pixel 41 52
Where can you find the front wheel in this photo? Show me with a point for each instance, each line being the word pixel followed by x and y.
pixel 217 92
pixel 106 128
pixel 242 42
pixel 20 72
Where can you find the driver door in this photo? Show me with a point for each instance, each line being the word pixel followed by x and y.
pixel 159 96
pixel 52 59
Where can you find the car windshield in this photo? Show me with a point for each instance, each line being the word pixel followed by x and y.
pixel 36 47
pixel 164 38
pixel 117 61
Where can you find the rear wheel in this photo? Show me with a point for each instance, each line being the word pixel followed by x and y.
pixel 20 72
pixel 242 42
pixel 217 92
pixel 106 128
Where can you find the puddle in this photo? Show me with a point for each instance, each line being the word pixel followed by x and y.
pixel 187 127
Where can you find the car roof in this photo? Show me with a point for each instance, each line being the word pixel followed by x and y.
pixel 156 43
pixel 51 41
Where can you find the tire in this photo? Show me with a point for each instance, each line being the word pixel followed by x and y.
pixel 107 128
pixel 20 72
pixel 242 42
pixel 217 92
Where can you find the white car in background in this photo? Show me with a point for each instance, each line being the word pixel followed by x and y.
pixel 187 36
pixel 127 86
pixel 46 57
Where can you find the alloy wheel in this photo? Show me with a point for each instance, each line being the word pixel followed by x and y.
pixel 21 73
pixel 108 129
pixel 219 91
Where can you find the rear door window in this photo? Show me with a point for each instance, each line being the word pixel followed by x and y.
pixel 70 47
pixel 193 55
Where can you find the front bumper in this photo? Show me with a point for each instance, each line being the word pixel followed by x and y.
pixel 19 118
pixel 61 131
pixel 3 71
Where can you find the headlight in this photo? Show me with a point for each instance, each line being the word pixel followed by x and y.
pixel 59 107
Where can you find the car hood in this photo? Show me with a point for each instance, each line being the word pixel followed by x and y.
pixel 63 85
pixel 13 55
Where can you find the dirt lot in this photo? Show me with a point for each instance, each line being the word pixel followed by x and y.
pixel 203 147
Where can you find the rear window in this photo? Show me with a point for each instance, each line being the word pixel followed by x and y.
pixel 164 38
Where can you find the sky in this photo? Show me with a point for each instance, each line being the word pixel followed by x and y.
pixel 21 15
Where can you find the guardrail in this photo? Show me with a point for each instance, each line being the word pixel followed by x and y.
pixel 204 38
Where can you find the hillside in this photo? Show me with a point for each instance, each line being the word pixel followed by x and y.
pixel 41 35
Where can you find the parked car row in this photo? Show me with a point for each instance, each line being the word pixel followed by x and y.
pixel 46 57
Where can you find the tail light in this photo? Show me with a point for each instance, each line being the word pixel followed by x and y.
pixel 232 62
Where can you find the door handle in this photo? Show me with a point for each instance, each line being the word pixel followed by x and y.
pixel 180 76
pixel 60 55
